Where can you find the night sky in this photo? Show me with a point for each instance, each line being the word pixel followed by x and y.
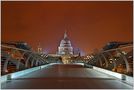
pixel 89 25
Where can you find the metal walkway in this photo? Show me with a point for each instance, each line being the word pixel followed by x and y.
pixel 67 76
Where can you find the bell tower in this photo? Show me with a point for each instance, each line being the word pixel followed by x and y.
pixel 39 49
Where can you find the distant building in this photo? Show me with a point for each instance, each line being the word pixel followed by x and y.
pixel 18 44
pixel 65 47
pixel 39 49
pixel 114 44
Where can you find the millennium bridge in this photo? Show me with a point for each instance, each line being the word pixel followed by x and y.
pixel 103 69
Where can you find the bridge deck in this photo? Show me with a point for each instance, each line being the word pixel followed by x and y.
pixel 60 76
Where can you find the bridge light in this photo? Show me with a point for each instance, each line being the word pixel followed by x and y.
pixel 124 52
pixel 6 70
pixel 92 56
pixel 129 56
pixel 111 62
pixel 110 59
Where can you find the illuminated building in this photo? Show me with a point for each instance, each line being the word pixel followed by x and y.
pixel 65 47
pixel 39 49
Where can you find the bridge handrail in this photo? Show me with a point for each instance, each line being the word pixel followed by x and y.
pixel 112 60
pixel 5 46
pixel 11 76
pixel 123 77
pixel 36 58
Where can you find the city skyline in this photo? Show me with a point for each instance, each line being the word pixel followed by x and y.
pixel 89 25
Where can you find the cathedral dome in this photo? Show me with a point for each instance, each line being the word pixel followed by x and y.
pixel 65 46
pixel 65 43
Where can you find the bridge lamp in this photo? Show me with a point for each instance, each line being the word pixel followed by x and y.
pixel 124 52
pixel 92 56
pixel 129 56
pixel 110 59
pixel 6 70
pixel 111 62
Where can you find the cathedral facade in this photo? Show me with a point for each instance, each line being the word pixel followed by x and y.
pixel 65 47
